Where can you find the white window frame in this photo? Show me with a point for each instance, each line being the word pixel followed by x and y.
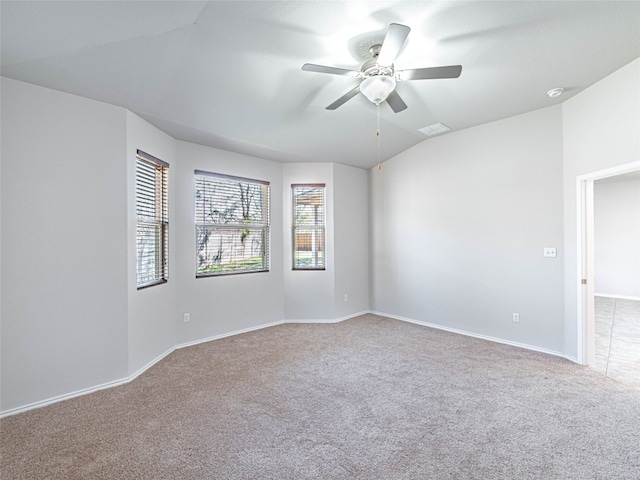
pixel 232 221
pixel 152 220
pixel 308 226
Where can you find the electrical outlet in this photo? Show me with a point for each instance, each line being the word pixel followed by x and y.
pixel 346 297
pixel 186 317
pixel 516 317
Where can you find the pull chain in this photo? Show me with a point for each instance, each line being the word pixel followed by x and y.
pixel 378 134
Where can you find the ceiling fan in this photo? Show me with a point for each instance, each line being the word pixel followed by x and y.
pixel 378 74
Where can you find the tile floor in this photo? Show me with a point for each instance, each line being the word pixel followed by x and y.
pixel 617 338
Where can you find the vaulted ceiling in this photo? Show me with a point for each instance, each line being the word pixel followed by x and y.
pixel 228 73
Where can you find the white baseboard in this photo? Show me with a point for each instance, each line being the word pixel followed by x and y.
pixel 85 391
pixel 140 371
pixel 335 320
pixel 115 383
pixel 122 381
pixel 312 320
pixel 573 359
pixel 475 335
pixel 60 398
pixel 620 297
pixel 228 334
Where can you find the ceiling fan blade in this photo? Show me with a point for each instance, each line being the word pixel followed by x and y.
pixel 395 102
pixel 393 42
pixel 452 71
pixel 311 67
pixel 343 99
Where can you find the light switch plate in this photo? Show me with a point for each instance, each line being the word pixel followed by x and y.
pixel 550 252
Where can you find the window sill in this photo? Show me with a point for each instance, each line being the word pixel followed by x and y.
pixel 152 284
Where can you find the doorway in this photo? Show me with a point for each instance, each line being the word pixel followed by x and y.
pixel 608 315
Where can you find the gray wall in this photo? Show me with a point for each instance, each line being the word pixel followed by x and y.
pixel 351 242
pixel 617 236
pixel 72 318
pixel 308 295
pixel 319 295
pixel 220 305
pixel 601 129
pixel 459 224
pixel 64 244
pixel 151 326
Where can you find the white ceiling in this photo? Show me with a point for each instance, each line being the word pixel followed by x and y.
pixel 228 74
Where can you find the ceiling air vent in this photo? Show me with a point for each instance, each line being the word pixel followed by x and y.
pixel 434 129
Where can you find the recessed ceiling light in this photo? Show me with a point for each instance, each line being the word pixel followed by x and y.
pixel 555 92
pixel 434 129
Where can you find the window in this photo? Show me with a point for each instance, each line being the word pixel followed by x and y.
pixel 152 214
pixel 308 227
pixel 232 225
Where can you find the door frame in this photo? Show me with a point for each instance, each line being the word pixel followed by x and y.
pixel 586 257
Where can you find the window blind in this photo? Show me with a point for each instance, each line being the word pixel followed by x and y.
pixel 232 224
pixel 152 220
pixel 308 231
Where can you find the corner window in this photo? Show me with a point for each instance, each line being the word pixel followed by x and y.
pixel 232 224
pixel 152 220
pixel 308 227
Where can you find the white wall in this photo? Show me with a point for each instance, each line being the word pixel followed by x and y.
pixel 601 129
pixel 459 223
pixel 351 239
pixel 319 295
pixel 457 226
pixel 72 318
pixel 64 244
pixel 617 237
pixel 308 294
pixel 219 305
pixel 151 311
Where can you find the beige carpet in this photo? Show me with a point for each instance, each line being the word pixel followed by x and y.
pixel 368 398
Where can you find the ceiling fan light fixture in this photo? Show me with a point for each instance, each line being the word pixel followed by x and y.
pixel 379 75
pixel 377 88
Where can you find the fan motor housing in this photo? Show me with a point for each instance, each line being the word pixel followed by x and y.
pixel 371 68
